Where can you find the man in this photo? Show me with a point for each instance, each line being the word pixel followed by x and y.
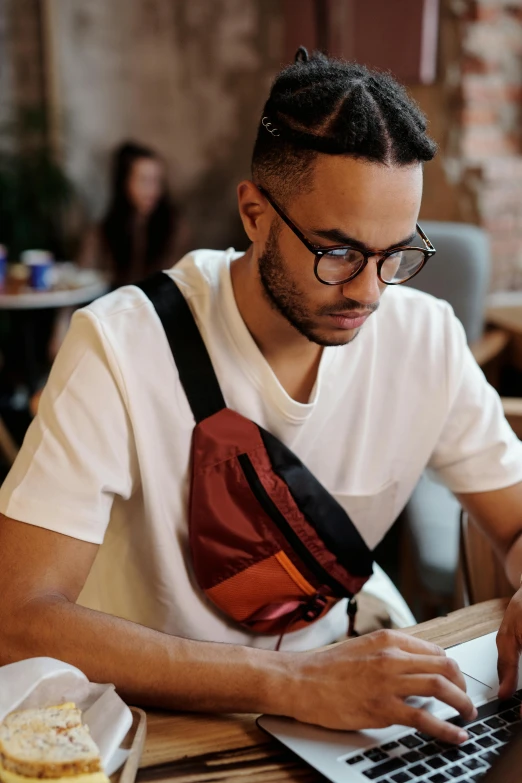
pixel 366 382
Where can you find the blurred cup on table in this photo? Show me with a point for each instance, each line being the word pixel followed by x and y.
pixel 40 263
pixel 17 278
pixel 3 265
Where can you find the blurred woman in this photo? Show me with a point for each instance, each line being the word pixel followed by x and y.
pixel 142 231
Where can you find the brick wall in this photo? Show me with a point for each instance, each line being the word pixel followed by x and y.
pixel 486 147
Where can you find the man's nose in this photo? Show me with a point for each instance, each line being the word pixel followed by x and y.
pixel 366 288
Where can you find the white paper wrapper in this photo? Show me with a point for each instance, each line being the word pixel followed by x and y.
pixel 44 682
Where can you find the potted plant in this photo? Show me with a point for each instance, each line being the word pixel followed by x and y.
pixel 36 195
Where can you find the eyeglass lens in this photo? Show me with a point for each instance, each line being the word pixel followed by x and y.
pixel 342 263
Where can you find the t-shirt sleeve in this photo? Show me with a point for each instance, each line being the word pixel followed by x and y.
pixel 477 450
pixel 79 451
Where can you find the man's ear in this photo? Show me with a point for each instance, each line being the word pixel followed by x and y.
pixel 254 211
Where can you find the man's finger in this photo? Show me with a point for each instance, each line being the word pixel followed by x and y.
pixel 438 687
pixel 432 664
pixel 424 721
pixel 507 666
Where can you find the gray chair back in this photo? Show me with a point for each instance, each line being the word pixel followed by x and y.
pixel 459 272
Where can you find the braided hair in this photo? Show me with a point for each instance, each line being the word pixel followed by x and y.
pixel 323 105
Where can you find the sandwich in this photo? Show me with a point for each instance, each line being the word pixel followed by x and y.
pixel 49 744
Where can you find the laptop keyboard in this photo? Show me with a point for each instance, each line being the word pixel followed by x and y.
pixel 418 757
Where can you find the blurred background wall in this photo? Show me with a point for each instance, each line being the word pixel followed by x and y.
pixel 189 77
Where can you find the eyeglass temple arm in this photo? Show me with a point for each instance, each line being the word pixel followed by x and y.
pixel 299 234
pixel 315 248
pixel 424 238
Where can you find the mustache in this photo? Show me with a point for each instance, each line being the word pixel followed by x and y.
pixel 347 307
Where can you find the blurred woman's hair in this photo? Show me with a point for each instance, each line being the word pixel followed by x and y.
pixel 117 225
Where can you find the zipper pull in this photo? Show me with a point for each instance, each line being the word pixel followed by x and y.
pixel 314 607
pixel 309 612
pixel 351 611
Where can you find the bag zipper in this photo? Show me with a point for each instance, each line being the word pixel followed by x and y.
pixel 291 536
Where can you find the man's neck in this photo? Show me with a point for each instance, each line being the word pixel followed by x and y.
pixel 293 358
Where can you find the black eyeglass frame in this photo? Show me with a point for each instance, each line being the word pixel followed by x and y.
pixel 319 251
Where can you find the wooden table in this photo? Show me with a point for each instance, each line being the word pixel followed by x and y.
pixel 192 748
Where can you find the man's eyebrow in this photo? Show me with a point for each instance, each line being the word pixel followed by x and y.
pixel 339 237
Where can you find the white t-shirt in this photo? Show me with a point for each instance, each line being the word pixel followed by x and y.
pixel 107 458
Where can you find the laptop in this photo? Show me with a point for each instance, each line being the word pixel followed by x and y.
pixel 493 754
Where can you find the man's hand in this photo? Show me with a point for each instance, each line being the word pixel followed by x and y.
pixel 363 683
pixel 509 646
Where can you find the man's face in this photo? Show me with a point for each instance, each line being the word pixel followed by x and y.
pixel 373 204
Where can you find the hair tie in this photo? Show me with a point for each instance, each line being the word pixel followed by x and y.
pixel 301 56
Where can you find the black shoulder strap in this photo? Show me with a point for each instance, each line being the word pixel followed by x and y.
pixel 190 354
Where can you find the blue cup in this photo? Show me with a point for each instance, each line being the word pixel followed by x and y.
pixel 40 263
pixel 40 276
pixel 3 265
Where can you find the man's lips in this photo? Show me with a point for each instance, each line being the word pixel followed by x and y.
pixel 351 320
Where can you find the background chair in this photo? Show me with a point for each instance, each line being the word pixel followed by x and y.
pixel 459 273
pixel 480 574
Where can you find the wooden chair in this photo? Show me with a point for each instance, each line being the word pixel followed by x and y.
pixel 480 575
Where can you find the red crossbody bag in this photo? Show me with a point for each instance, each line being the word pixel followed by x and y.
pixel 270 547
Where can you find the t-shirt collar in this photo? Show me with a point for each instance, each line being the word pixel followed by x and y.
pixel 254 363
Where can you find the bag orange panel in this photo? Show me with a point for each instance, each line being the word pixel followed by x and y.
pixel 273 584
pixel 261 584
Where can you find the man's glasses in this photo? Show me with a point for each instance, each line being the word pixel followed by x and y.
pixel 341 263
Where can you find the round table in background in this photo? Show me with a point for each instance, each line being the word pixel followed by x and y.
pixel 81 294
pixel 73 288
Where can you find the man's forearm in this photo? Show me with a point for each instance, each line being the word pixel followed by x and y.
pixel 146 666
pixel 355 685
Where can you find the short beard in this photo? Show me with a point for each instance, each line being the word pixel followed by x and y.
pixel 285 297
